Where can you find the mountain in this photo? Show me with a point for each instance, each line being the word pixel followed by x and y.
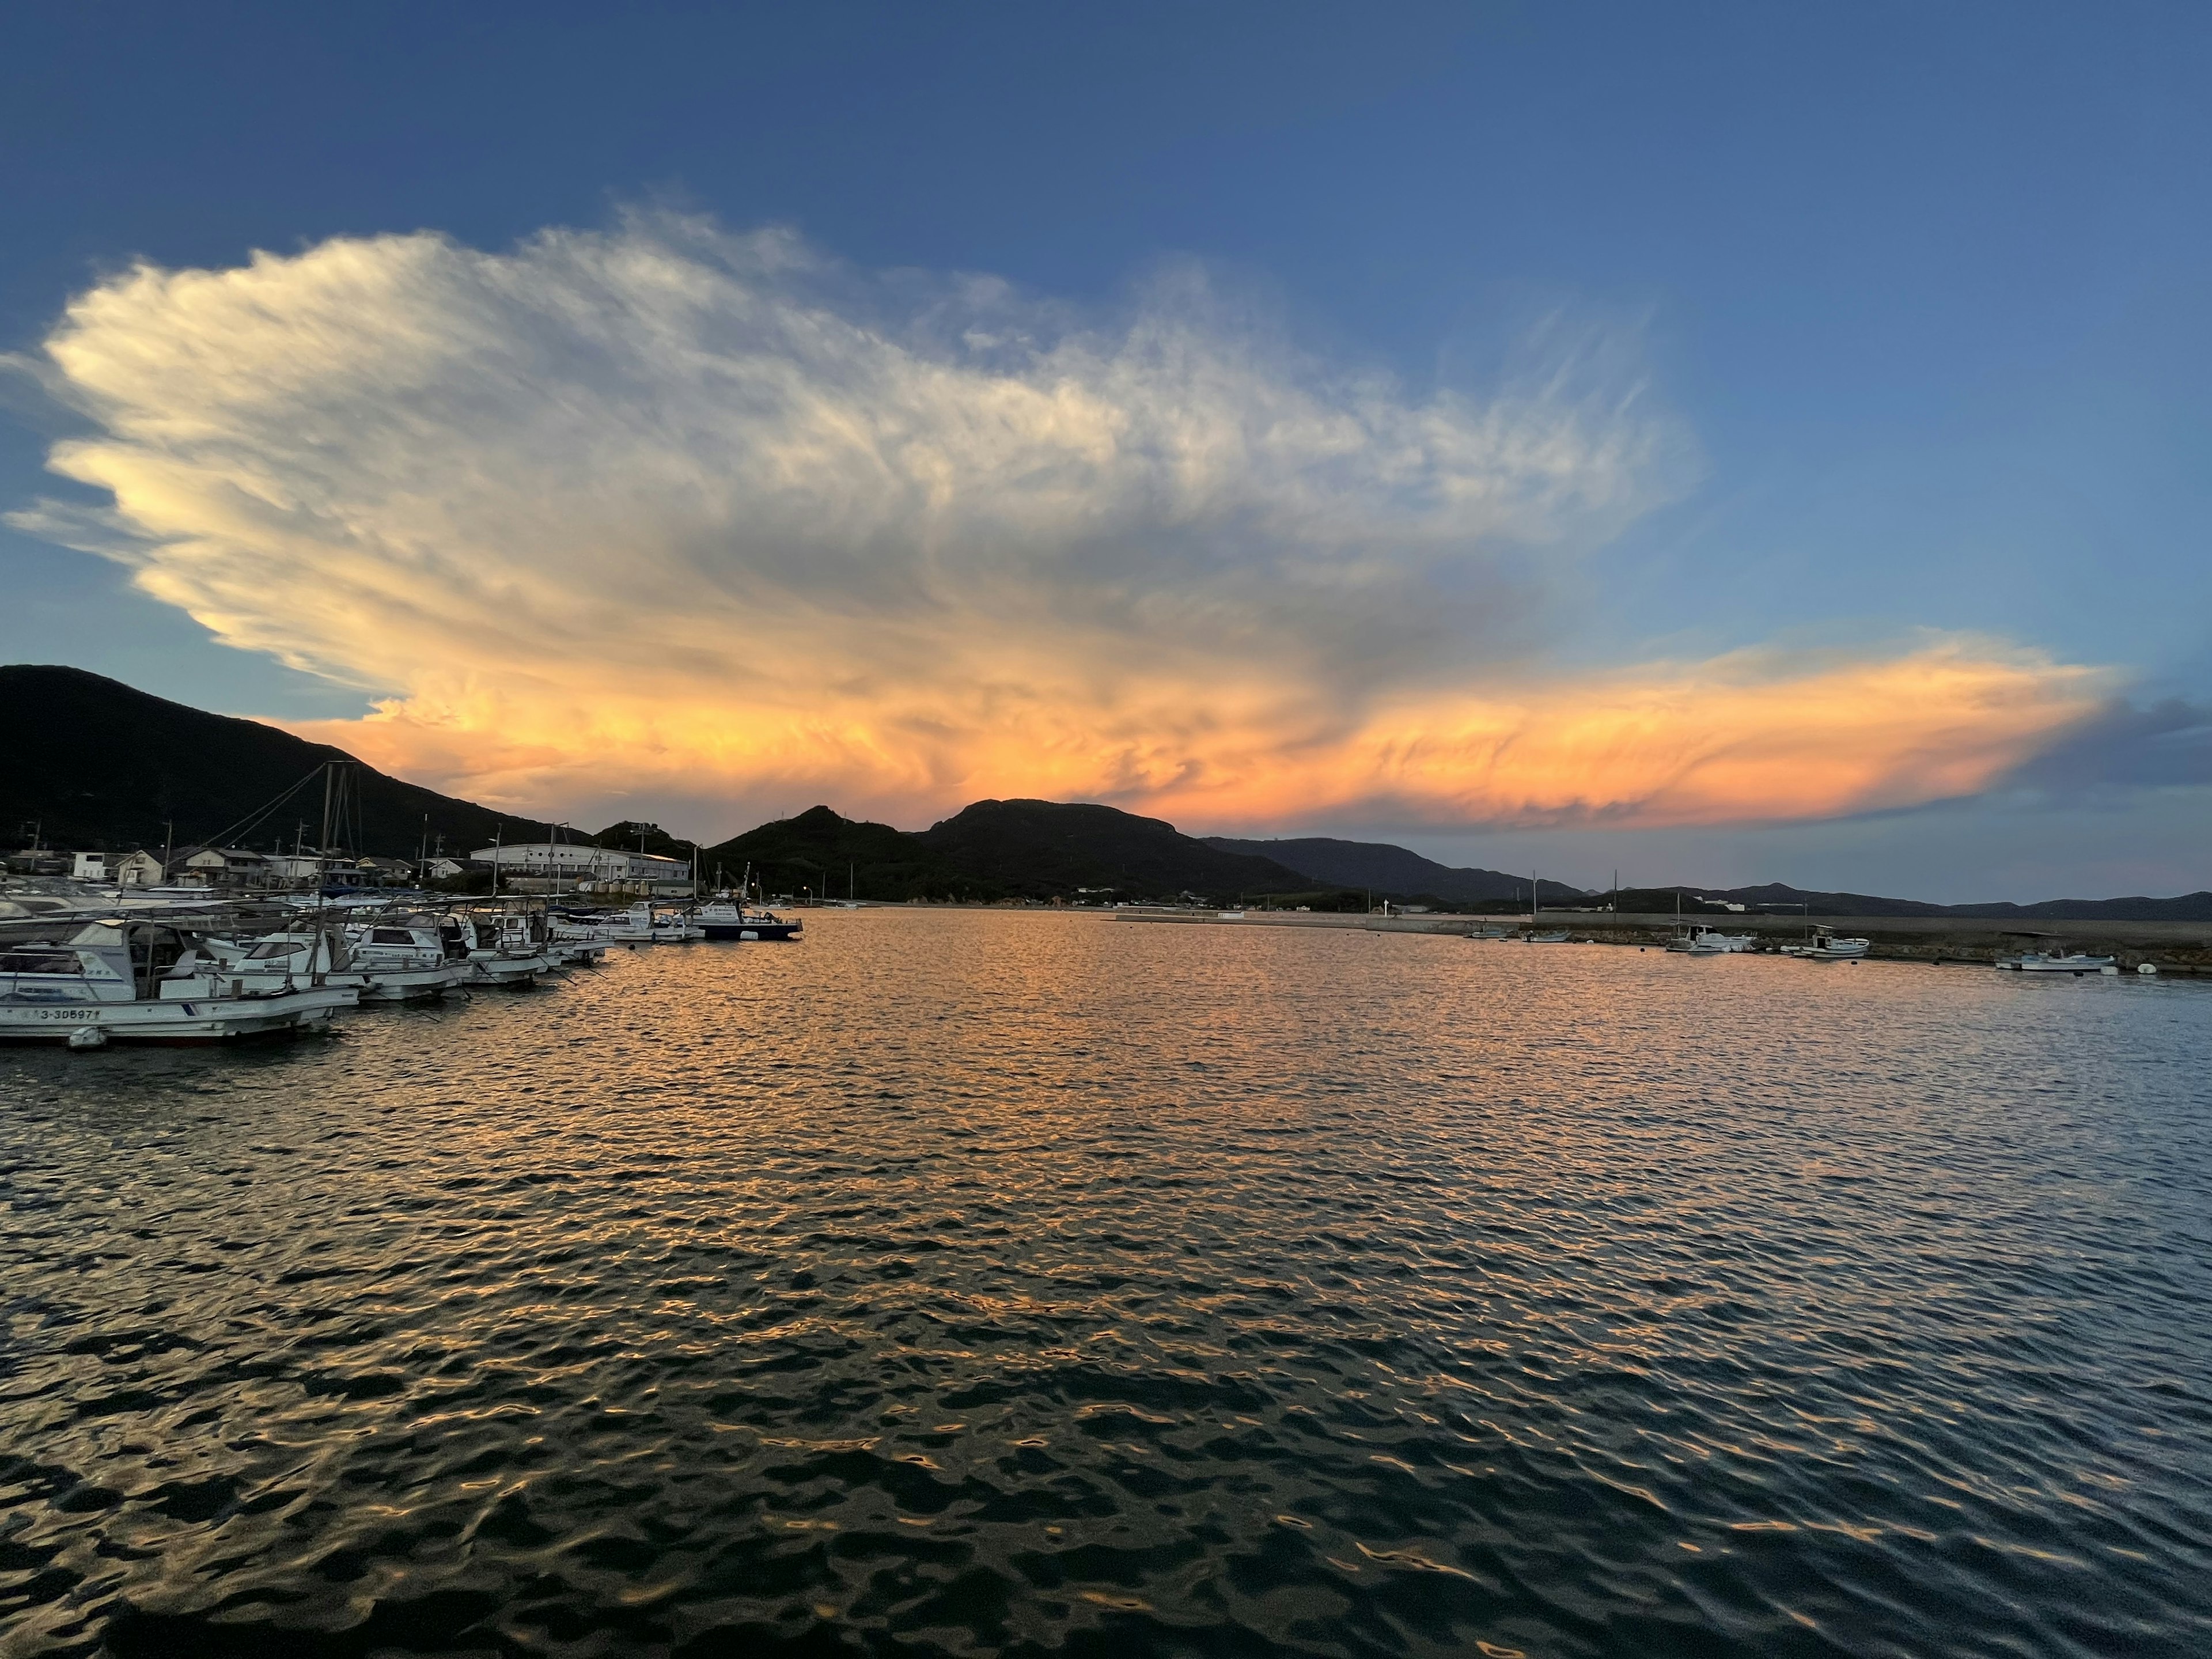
pixel 997 849
pixel 1036 848
pixel 101 767
pixel 1382 868
pixel 2189 907
pixel 634 836
pixel 842 857
pixel 1798 900
pixel 1774 897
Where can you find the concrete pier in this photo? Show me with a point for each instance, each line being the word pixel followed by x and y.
pixel 2179 947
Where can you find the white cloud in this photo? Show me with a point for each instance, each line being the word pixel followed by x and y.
pixel 716 512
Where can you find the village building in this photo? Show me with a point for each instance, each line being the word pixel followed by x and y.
pixel 568 861
pixel 224 866
pixel 139 869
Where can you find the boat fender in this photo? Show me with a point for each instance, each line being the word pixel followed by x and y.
pixel 87 1037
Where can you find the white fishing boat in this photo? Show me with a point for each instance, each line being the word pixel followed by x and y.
pixel 113 980
pixel 1825 946
pixel 1702 939
pixel 2070 961
pixel 1558 936
pixel 579 937
pixel 728 919
pixel 383 962
pixel 499 947
pixel 650 924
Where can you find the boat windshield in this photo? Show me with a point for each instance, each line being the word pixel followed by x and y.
pixel 33 960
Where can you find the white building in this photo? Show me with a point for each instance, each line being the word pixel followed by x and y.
pixel 568 861
pixel 90 867
pixel 139 870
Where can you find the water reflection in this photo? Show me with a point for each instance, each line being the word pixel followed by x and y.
pixel 984 1282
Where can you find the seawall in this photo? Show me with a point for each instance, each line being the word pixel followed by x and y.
pixel 2171 947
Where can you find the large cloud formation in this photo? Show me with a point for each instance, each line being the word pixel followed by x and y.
pixel 663 509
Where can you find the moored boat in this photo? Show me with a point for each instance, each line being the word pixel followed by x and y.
pixel 2071 961
pixel 112 979
pixel 652 924
pixel 497 947
pixel 1825 946
pixel 1702 939
pixel 729 918
pixel 383 962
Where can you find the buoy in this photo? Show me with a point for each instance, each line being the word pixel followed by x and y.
pixel 2146 967
pixel 87 1036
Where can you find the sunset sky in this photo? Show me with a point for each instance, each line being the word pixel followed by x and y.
pixel 1723 444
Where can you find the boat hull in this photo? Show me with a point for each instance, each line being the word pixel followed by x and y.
pixel 176 1020
pixel 400 984
pixel 784 931
pixel 513 972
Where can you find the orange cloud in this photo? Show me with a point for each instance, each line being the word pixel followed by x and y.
pixel 1744 737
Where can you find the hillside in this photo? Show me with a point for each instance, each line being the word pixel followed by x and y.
pixel 1036 848
pixel 843 858
pixel 102 767
pixel 1382 868
pixel 632 836
pixel 1775 897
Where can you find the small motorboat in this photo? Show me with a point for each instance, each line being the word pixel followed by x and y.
pixel 650 924
pixel 728 919
pixel 2071 961
pixel 495 947
pixel 383 963
pixel 1825 946
pixel 1705 940
pixel 1557 936
pixel 113 979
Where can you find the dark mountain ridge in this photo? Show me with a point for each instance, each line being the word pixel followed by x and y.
pixel 101 767
pixel 998 849
pixel 1037 849
pixel 1393 870
pixel 841 858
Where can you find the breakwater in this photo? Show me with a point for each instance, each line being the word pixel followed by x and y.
pixel 2183 947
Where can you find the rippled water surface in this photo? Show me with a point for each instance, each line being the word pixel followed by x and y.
pixel 981 1282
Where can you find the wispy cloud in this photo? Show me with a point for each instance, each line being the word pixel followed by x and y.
pixel 727 518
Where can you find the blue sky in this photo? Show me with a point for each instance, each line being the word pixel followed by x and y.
pixel 1923 292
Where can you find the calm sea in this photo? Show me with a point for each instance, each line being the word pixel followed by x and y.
pixel 1001 1283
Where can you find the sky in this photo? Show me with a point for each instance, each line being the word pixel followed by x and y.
pixel 1715 443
